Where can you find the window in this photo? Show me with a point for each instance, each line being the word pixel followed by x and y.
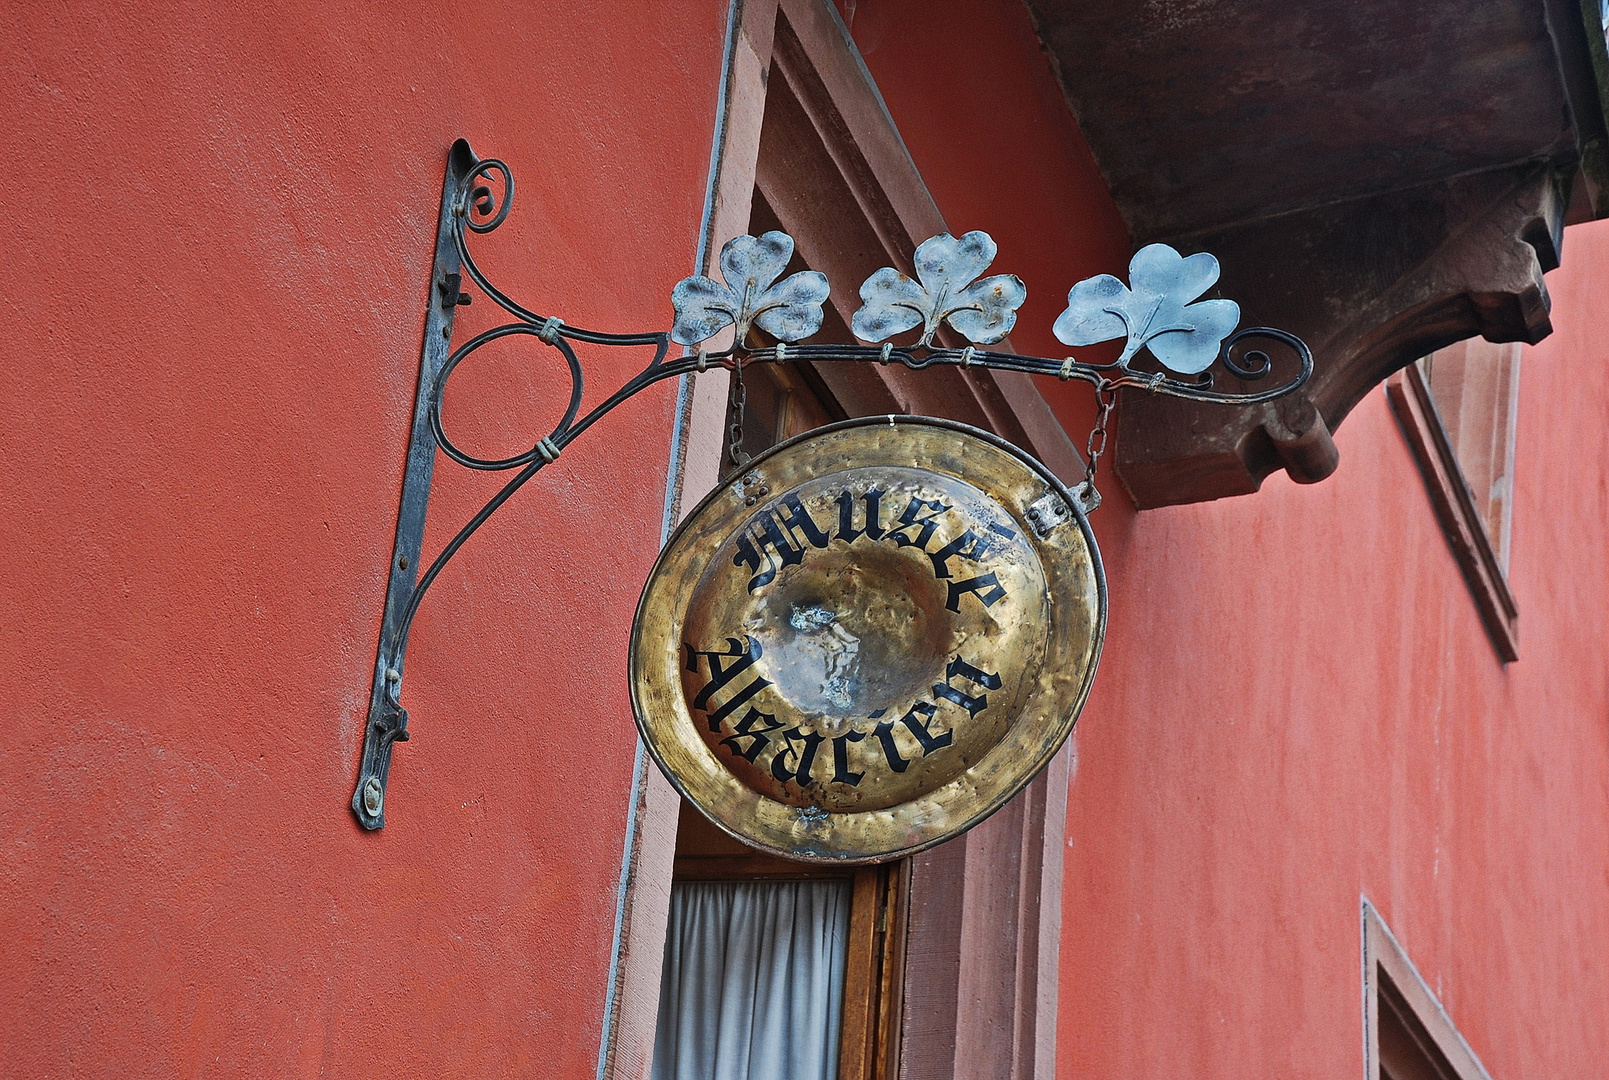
pixel 775 968
pixel 1457 408
pixel 754 980
pixel 1408 1035
pixel 1474 386
pixel 806 145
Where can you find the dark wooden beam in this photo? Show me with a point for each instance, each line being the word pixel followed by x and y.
pixel 1371 285
pixel 1382 179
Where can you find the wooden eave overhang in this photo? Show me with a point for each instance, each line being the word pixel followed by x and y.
pixel 1381 178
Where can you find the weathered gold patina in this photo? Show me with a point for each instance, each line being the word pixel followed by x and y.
pixel 869 639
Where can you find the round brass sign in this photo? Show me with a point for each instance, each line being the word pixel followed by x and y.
pixel 868 639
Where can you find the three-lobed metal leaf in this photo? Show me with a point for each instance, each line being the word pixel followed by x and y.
pixel 1154 311
pixel 789 310
pixel 946 289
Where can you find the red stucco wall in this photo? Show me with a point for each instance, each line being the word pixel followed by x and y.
pixel 1306 710
pixel 220 237
pixel 1298 705
pixel 220 220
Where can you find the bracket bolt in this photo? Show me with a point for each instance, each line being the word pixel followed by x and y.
pixel 393 675
pixel 373 796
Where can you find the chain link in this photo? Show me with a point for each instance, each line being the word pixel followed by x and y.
pixel 1105 400
pixel 737 401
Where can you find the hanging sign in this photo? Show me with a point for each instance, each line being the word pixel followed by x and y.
pixel 868 639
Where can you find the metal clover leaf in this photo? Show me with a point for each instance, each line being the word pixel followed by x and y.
pixel 981 311
pixel 1155 311
pixel 788 310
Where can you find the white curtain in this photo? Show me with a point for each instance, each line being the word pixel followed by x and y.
pixel 754 981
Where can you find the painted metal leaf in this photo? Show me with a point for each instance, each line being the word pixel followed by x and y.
pixel 891 303
pixel 791 309
pixel 982 311
pixel 703 306
pixel 755 261
pixel 788 310
pixel 986 310
pixel 1154 310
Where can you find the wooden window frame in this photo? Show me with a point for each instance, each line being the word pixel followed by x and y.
pixel 981 940
pixel 874 954
pixel 1455 508
pixel 1403 1019
pixel 978 919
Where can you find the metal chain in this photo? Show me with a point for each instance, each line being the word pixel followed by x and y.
pixel 1106 400
pixel 737 401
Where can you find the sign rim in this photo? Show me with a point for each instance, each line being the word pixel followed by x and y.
pixel 813 832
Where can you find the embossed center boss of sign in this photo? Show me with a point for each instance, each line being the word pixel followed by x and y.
pixel 869 639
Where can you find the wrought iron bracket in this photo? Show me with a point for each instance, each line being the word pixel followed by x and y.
pixel 1155 314
pixel 388 720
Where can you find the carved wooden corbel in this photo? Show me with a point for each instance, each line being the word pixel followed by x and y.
pixel 1374 284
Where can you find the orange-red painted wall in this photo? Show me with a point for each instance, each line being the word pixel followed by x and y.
pixel 1308 710
pixel 1298 705
pixel 220 239
pixel 220 220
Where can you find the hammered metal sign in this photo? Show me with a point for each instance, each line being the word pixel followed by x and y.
pixel 869 639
